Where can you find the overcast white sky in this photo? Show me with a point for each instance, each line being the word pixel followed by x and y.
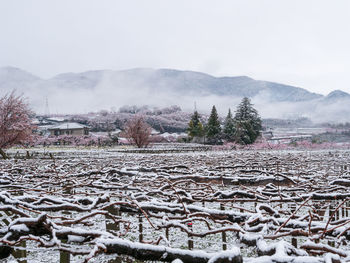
pixel 305 43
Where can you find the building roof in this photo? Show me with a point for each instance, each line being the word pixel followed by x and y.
pixel 67 126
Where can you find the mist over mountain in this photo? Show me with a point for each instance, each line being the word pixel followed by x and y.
pixel 106 89
pixel 336 96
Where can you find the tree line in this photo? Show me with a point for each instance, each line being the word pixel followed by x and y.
pixel 243 128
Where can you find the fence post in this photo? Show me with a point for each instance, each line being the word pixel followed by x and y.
pixel 20 254
pixel 331 210
pixel 140 229
pixel 167 233
pixel 190 238
pixel 64 256
pixel 224 245
pixel 112 226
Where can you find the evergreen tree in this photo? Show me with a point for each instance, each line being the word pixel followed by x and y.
pixel 247 123
pixel 213 128
pixel 229 127
pixel 195 127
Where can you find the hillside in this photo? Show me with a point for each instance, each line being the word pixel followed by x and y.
pixel 105 89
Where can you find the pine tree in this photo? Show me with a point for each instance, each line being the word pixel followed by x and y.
pixel 213 128
pixel 195 127
pixel 229 127
pixel 247 123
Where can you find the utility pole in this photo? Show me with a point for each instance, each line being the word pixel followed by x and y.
pixel 47 109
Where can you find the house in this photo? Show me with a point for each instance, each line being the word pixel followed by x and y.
pixel 43 124
pixel 69 128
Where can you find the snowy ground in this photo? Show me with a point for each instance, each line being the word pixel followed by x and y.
pixel 281 206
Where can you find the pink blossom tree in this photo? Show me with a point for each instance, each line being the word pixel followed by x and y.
pixel 15 124
pixel 138 132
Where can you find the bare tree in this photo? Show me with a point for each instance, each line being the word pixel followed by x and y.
pixel 138 132
pixel 15 124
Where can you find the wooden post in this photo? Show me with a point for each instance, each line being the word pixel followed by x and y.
pixel 20 254
pixel 140 229
pixel 320 212
pixel 111 225
pixel 190 238
pixel 223 234
pixel 331 210
pixel 167 233
pixel 64 256
pixel 337 214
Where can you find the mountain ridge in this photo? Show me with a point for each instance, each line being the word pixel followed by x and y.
pixel 101 89
pixel 227 85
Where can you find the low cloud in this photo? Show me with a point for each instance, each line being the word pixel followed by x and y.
pixel 97 90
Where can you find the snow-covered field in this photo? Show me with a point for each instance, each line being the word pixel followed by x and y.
pixel 72 205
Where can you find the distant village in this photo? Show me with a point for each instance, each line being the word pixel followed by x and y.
pixel 62 129
pixel 53 126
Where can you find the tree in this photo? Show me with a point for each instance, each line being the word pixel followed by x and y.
pixel 15 123
pixel 213 128
pixel 247 123
pixel 138 132
pixel 229 127
pixel 195 127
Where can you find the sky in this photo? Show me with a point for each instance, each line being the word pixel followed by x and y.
pixel 305 43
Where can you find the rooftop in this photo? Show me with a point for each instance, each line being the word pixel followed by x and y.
pixel 68 125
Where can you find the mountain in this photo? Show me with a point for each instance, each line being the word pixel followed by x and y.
pixel 201 84
pixel 103 89
pixel 336 95
pixel 14 78
pixel 86 80
pixel 161 80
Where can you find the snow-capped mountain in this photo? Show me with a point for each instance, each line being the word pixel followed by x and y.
pixel 103 89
